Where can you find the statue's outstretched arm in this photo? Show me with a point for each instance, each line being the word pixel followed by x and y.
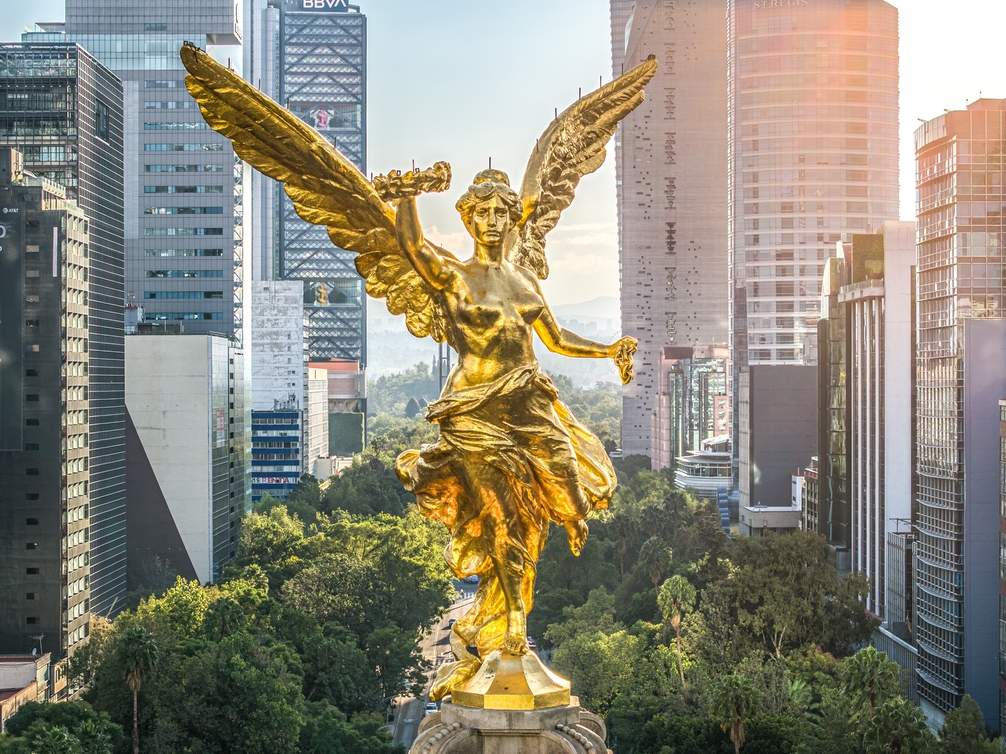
pixel 562 341
pixel 431 266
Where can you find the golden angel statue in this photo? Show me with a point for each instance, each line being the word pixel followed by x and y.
pixel 510 457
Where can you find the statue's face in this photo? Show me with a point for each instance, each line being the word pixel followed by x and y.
pixel 490 221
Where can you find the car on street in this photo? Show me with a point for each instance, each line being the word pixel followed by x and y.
pixel 431 707
pixel 531 643
pixel 451 622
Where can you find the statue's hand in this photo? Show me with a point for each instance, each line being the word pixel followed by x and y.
pixel 395 185
pixel 621 351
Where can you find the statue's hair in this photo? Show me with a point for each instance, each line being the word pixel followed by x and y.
pixel 487 184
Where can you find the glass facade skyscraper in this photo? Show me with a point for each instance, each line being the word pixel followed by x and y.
pixel 183 200
pixel 961 292
pixel 44 477
pixel 813 157
pixel 63 110
pixel 313 60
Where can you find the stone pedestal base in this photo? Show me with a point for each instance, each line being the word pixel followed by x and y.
pixel 555 730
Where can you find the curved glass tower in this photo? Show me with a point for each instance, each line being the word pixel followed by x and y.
pixel 812 122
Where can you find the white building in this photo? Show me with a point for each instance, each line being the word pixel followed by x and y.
pixel 186 453
pixel 707 469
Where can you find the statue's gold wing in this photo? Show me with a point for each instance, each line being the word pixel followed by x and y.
pixel 325 187
pixel 571 147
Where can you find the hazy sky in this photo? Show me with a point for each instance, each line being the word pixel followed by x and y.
pixel 458 80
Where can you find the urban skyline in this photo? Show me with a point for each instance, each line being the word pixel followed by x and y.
pixel 810 459
pixel 583 246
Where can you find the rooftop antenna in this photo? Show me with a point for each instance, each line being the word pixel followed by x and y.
pixel 38 638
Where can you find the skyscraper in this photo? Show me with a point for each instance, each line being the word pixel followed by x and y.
pixel 183 200
pixel 961 350
pixel 311 57
pixel 63 109
pixel 45 542
pixel 813 157
pixel 670 167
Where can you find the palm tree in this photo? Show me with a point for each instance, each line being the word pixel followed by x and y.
pixel 734 700
pixel 676 598
pixel 621 527
pixel 139 653
pixel 870 678
pixel 655 556
pixel 898 727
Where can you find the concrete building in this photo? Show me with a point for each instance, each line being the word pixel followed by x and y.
pixel 316 411
pixel 692 386
pixel 186 457
pixel 812 116
pixel 778 424
pixel 63 110
pixel 347 405
pixel 961 347
pixel 279 387
pixel 45 469
pixel 313 59
pixel 23 679
pixel 881 318
pixel 183 200
pixel 672 208
pixel 866 345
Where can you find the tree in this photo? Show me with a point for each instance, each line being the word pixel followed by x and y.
pixel 139 652
pixel 56 740
pixel 870 679
pixel 963 731
pixel 784 589
pixel 898 727
pixel 655 557
pixel 676 598
pixel 734 700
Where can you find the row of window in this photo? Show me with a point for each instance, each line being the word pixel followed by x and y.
pixel 185 104
pixel 183 210
pixel 182 294
pixel 183 168
pixel 172 126
pixel 183 189
pixel 183 147
pixel 180 316
pixel 183 231
pixel 183 252
pixel 184 273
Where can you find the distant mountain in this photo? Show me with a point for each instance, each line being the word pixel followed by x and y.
pixel 602 307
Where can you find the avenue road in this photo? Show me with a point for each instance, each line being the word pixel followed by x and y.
pixel 408 711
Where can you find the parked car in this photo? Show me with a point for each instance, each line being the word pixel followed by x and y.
pixel 431 707
pixel 451 622
pixel 531 643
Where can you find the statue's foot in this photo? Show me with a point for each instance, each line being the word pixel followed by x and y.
pixel 576 533
pixel 515 639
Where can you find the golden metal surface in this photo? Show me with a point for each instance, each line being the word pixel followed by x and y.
pixel 513 681
pixel 510 457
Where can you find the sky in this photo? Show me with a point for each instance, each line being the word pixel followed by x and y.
pixel 461 81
